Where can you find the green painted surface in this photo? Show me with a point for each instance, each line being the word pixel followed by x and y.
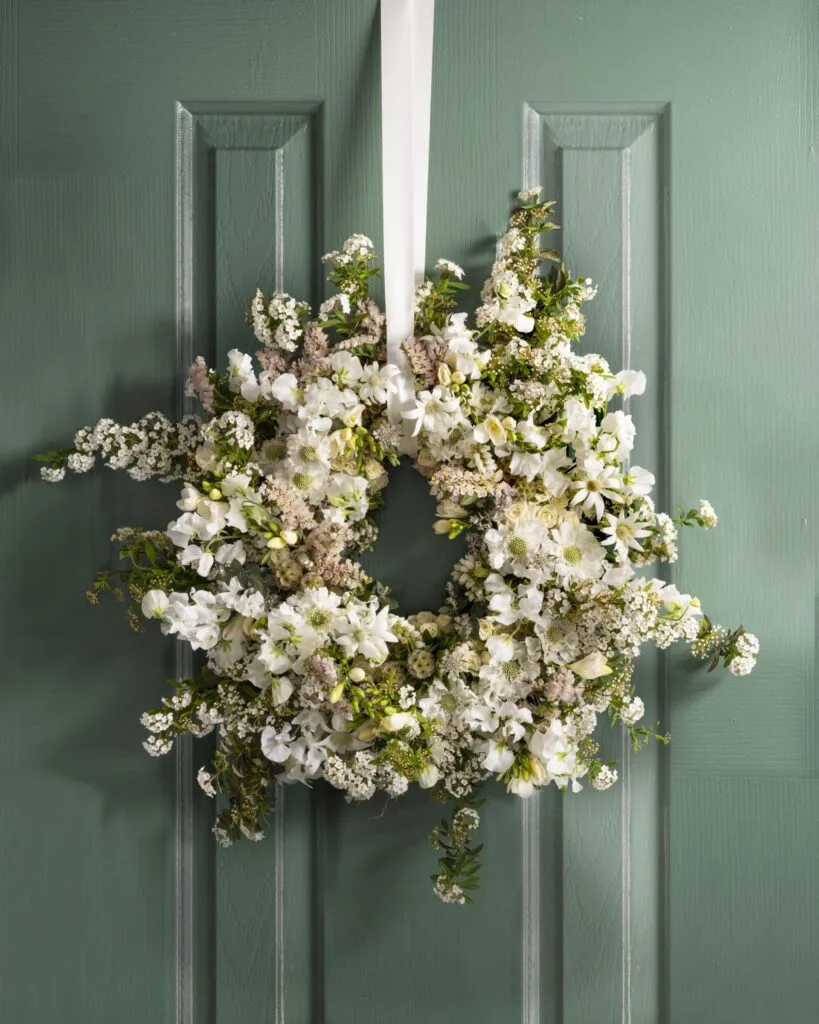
pixel 680 140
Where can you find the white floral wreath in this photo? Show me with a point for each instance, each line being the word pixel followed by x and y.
pixel 308 670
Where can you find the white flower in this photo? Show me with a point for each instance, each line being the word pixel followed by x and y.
pixel 320 611
pixel 513 548
pixel 677 606
pixel 281 689
pixel 526 464
pixel 630 382
pixel 594 482
pixel 508 606
pixel 154 604
pixel 228 553
pixel 581 423
pixel 285 389
pixel 552 462
pixel 434 412
pixel 632 711
pixel 514 311
pixel 240 369
pixel 621 430
pixel 605 778
pixel 491 431
pixel 498 758
pixel 463 354
pixel 193 555
pixel 348 496
pixel 556 751
pixel 520 787
pixel 617 576
pixel 511 303
pixel 323 401
pixel 308 451
pixel 329 306
pixel 501 647
pixel 358 245
pixel 400 721
pixel 638 480
pixel 741 666
pixel 576 554
pixel 377 384
pixel 531 434
pixel 708 517
pixel 276 743
pixel 190 499
pixel 347 368
pixel 624 534
pixel 366 632
pixel 450 268
pixel 205 780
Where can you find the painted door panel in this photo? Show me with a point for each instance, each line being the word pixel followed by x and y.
pixel 160 161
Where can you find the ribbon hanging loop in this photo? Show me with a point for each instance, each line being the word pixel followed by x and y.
pixel 406 100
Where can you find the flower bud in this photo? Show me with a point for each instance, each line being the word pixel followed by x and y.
pixel 290 537
pixel 366 732
pixel 276 544
pixel 593 666
pixel 428 776
pixel 398 721
pixel 357 675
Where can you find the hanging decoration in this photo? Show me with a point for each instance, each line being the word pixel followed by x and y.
pixel 307 671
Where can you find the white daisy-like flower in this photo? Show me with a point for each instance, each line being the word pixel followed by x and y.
pixel 320 612
pixel 364 631
pixel 575 552
pixel 594 482
pixel 624 534
pixel 376 384
pixel 512 548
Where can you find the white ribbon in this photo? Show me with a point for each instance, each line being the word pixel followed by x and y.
pixel 406 98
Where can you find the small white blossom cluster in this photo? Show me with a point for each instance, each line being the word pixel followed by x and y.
pixel 277 321
pixel 747 648
pixel 153 446
pixel 308 672
pixel 708 516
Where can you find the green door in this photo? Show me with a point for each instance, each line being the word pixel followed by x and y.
pixel 162 159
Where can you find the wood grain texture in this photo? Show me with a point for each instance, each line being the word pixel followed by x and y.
pixel 701 119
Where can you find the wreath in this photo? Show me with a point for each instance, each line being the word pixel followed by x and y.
pixel 308 671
